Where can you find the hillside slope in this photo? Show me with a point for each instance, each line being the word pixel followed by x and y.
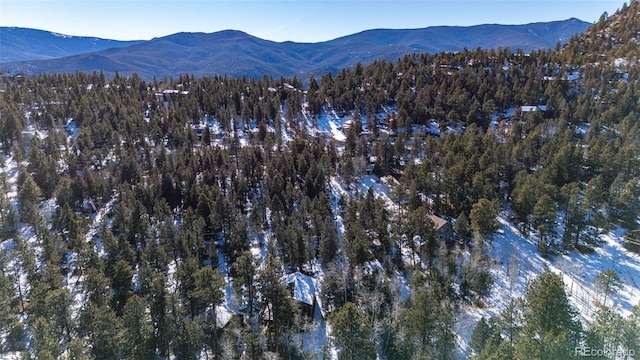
pixel 21 44
pixel 235 53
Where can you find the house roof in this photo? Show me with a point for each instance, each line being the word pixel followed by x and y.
pixel 223 316
pixel 303 288
pixel 438 222
pixel 533 108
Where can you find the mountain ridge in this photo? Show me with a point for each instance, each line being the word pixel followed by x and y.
pixel 236 53
pixel 23 44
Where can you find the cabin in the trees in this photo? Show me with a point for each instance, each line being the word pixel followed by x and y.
pixel 372 165
pixel 222 316
pixel 533 108
pixel 303 292
pixel 443 228
pixel 632 241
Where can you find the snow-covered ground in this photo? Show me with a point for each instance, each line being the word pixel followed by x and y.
pixel 380 188
pixel 338 190
pixel 329 123
pixel 16 355
pixel 230 301
pixel 517 261
pixel 98 219
pixel 10 171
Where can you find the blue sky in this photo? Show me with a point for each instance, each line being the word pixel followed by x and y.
pixel 294 20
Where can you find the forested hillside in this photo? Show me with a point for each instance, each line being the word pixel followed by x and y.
pixel 194 218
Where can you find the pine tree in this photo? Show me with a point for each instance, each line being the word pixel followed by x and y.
pixel 462 226
pixel 608 282
pixel 481 335
pixel 29 196
pixel 238 238
pixel 631 330
pixel 328 241
pixel 352 333
pixel 550 326
pixel 276 305
pixel 42 166
pixel 8 216
pixel 44 344
pixel 575 217
pixel 606 331
pixel 122 285
pixel 207 292
pixel 496 349
pixel 511 320
pixel 544 220
pixel 523 197
pixel 187 339
pixel 483 217
pixel 50 308
pixel 629 203
pixel 8 311
pixel 421 226
pixel 243 272
pixel 158 300
pixel 355 238
pixel 476 280
pixel 429 321
pixel 138 330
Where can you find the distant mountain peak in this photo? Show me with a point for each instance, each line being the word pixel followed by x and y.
pixel 236 53
pixel 64 36
pixel 20 44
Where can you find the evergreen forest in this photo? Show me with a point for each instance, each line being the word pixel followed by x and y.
pixel 162 219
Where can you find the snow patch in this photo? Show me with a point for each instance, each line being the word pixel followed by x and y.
pixel 517 261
